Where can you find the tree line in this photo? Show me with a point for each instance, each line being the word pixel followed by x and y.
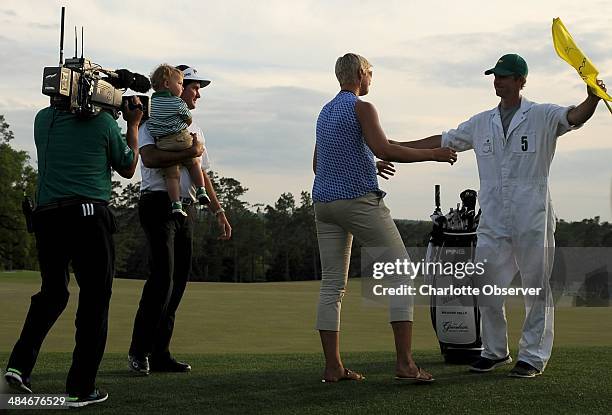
pixel 270 242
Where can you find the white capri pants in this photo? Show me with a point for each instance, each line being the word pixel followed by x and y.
pixel 369 221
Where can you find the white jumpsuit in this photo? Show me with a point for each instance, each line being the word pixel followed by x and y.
pixel 516 231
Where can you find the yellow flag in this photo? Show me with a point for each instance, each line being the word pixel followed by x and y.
pixel 569 52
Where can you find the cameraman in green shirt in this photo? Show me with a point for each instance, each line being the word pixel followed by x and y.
pixel 74 226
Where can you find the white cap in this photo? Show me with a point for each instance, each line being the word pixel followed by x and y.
pixel 191 74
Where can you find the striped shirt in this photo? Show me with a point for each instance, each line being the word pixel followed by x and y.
pixel 168 114
pixel 346 168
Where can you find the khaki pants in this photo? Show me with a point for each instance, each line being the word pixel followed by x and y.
pixel 369 220
pixel 176 142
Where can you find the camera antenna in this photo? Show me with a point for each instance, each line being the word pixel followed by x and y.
pixel 61 61
pixel 82 41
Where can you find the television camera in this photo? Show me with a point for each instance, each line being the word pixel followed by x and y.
pixel 85 88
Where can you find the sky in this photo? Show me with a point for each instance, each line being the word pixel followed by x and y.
pixel 272 69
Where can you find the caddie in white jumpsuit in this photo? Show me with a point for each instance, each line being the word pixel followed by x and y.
pixel 515 144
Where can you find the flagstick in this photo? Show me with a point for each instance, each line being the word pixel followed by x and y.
pixel 608 105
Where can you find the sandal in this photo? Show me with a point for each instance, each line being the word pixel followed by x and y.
pixel 419 378
pixel 348 375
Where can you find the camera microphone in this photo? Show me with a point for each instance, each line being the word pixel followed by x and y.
pixel 132 80
pixel 141 83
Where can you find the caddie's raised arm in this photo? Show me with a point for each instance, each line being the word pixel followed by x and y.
pixel 583 112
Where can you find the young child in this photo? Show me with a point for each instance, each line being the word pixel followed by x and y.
pixel 168 124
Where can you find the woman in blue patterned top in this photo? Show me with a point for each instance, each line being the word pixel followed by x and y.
pixel 348 202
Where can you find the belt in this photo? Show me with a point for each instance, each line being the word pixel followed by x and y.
pixel 186 201
pixel 66 203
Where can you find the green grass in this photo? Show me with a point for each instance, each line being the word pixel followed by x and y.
pixel 254 350
pixel 265 318
pixel 576 381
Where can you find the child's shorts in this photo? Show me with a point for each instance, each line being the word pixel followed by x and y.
pixel 175 142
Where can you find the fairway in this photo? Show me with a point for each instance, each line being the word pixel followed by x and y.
pixel 577 381
pixel 254 349
pixel 266 318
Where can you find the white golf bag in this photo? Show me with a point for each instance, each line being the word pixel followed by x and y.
pixel 455 319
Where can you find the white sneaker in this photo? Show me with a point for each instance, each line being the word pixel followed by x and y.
pixel 15 381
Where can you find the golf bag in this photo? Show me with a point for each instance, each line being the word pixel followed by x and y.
pixel 455 319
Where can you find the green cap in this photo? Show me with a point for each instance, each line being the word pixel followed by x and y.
pixel 511 64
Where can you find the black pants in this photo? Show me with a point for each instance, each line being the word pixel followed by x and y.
pixel 81 235
pixel 170 248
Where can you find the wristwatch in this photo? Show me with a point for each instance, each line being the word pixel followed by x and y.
pixel 220 210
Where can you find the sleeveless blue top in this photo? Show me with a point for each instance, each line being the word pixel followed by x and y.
pixel 346 168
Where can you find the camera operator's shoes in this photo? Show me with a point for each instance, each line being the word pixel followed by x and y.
pixel 138 364
pixel 17 382
pixel 524 370
pixel 169 365
pixel 97 396
pixel 177 209
pixel 202 196
pixel 486 365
